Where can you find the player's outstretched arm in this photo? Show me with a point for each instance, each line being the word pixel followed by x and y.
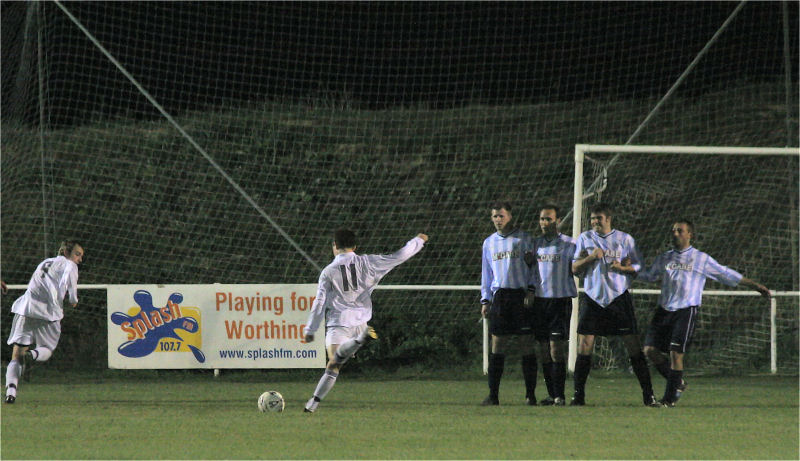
pixel 756 286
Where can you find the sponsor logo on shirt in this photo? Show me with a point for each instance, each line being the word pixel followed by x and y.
pixel 155 329
pixel 506 255
pixel 548 258
pixel 673 266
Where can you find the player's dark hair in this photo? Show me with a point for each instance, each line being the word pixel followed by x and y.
pixel 67 246
pixel 688 223
pixel 344 238
pixel 602 208
pixel 550 206
pixel 502 204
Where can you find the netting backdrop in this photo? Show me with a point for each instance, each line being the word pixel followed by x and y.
pixel 745 212
pixel 390 118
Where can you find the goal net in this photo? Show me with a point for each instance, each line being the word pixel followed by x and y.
pixel 744 206
pixel 203 142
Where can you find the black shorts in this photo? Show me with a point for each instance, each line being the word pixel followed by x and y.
pixel 616 319
pixel 671 330
pixel 508 314
pixel 553 316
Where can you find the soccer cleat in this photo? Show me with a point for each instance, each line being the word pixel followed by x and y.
pixel 650 401
pixel 679 392
pixel 547 401
pixel 369 335
pixel 531 401
pixel 665 403
pixel 490 401
pixel 10 399
pixel 577 401
pixel 311 405
pixel 559 402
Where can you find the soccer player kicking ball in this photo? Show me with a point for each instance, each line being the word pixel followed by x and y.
pixel 683 272
pixel 344 293
pixel 38 312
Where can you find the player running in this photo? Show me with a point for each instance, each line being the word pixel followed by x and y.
pixel 344 294
pixel 38 312
pixel 683 272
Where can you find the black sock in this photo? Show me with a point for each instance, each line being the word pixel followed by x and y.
pixel 642 373
pixel 547 373
pixel 583 364
pixel 673 381
pixel 559 378
pixel 530 372
pixel 496 365
pixel 663 368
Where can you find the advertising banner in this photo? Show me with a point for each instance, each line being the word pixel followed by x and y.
pixel 211 326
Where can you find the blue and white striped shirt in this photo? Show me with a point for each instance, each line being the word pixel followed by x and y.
pixel 683 275
pixel 553 270
pixel 601 283
pixel 503 263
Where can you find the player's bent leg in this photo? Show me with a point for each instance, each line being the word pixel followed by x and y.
pixel 658 359
pixel 349 348
pixel 40 354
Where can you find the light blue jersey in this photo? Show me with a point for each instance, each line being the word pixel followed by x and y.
pixel 601 283
pixel 503 263
pixel 553 270
pixel 683 275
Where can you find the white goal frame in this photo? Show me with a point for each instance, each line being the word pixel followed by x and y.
pixel 577 211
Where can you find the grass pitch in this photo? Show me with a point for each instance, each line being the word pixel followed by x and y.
pixel 184 416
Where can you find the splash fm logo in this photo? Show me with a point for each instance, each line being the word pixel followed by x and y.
pixel 151 329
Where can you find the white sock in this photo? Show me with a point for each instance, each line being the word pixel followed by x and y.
pixel 325 384
pixel 12 377
pixel 347 350
pixel 41 354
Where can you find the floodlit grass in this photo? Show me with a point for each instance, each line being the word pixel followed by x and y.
pixel 198 417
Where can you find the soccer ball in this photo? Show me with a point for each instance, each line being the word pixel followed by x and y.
pixel 271 401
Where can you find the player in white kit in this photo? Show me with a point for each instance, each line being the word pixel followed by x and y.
pixel 38 312
pixel 344 296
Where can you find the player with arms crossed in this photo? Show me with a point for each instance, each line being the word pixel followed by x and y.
pixel 607 305
pixel 683 272
pixel 38 312
pixel 344 294
pixel 555 286
pixel 506 282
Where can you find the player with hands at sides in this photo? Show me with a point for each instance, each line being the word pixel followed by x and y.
pixel 607 305
pixel 506 291
pixel 555 288
pixel 682 271
pixel 38 312
pixel 344 295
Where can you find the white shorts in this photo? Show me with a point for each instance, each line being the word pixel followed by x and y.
pixel 339 335
pixel 26 331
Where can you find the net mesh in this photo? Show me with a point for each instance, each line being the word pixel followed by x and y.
pixel 744 210
pixel 391 118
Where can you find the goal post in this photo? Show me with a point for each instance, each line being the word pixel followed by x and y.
pixel 724 190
